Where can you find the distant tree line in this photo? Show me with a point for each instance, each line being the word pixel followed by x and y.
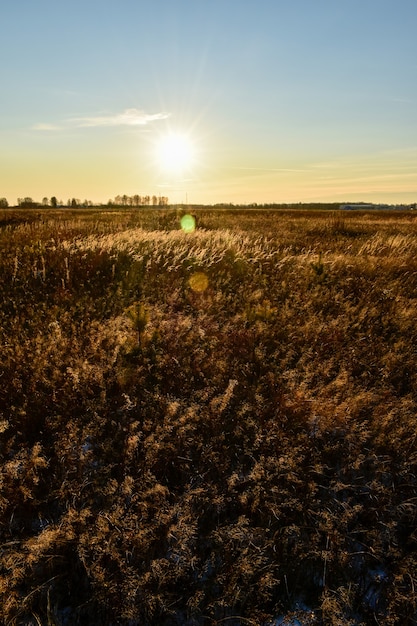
pixel 121 200
pixel 29 203
pixel 137 200
pixel 162 201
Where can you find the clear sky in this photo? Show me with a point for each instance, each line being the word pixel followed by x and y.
pixel 279 100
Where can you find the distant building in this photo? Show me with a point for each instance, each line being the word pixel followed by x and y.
pixel 362 207
pixel 376 207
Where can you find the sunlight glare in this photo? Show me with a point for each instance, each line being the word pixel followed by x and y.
pixel 175 152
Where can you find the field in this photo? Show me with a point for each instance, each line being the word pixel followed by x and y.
pixel 208 427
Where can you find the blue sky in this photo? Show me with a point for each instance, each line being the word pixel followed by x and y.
pixel 282 101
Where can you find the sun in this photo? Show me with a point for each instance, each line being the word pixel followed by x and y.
pixel 175 152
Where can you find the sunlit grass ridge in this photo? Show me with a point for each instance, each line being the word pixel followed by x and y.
pixel 176 246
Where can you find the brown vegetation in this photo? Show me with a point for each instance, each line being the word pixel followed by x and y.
pixel 204 428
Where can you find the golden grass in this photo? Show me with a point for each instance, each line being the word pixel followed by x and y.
pixel 208 427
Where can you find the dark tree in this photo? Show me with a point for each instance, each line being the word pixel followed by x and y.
pixel 27 203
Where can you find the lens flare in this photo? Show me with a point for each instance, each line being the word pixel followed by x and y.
pixel 187 223
pixel 198 282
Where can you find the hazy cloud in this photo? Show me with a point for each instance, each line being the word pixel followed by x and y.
pixel 129 117
pixel 46 127
pixel 270 169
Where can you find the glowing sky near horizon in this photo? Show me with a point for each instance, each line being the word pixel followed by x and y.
pixel 280 101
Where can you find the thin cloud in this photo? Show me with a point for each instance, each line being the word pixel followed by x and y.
pixel 47 127
pixel 270 169
pixel 129 117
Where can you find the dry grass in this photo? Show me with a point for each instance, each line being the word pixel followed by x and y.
pixel 207 428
